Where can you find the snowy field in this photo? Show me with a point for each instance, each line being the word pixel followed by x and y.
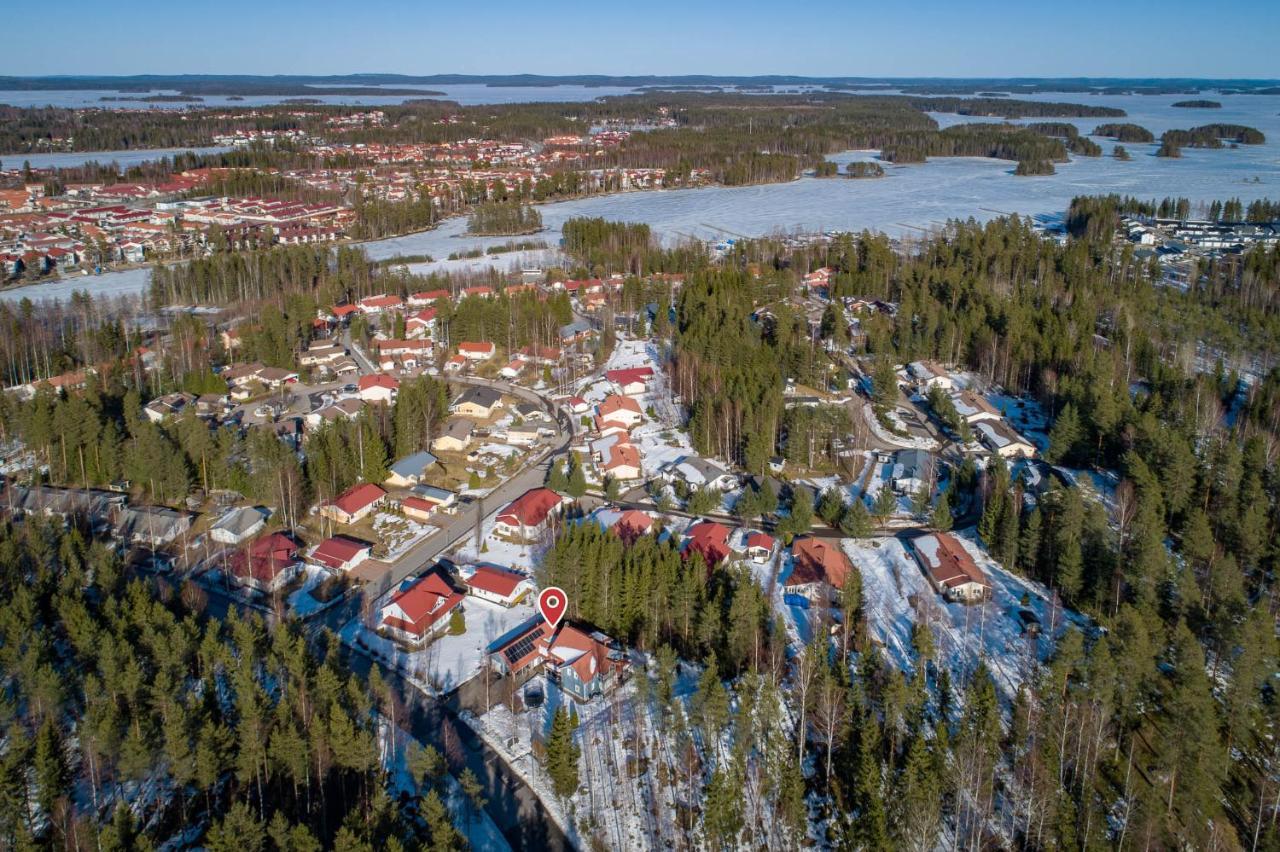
pixel 447 661
pixel 1024 415
pixel 301 602
pixel 896 595
pixel 398 533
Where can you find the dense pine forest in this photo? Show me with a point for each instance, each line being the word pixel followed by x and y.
pixel 133 719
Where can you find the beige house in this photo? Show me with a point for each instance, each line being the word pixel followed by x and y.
pixel 455 438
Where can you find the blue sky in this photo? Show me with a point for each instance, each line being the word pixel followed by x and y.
pixel 809 37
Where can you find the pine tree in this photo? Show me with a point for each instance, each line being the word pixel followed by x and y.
pixel 52 774
pixel 722 809
pixel 562 755
pixel 557 481
pixel 577 485
pixel 1064 436
pixel 941 519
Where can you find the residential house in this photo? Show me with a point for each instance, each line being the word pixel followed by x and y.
pixel 708 539
pixel 341 553
pixel 419 609
pixel 238 524
pixel 999 438
pixel 411 469
pixel 819 569
pixel 697 473
pixel 930 374
pixel 456 436
pixel 267 565
pixel 529 514
pixel 498 585
pixel 150 526
pixel 374 305
pixel 631 381
pixel 760 547
pixel 912 471
pixel 583 662
pixel 378 387
pixel 169 405
pixel 441 499
pixel 973 408
pixel 477 351
pixel 354 504
pixel 479 403
pixel 421 324
pixel 619 409
pixel 950 569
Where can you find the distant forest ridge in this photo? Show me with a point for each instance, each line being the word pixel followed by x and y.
pixel 245 84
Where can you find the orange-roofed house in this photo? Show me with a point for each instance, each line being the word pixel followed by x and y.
pixel 620 409
pixel 419 609
pixel 477 351
pixel 950 568
pixel 632 524
pixel 341 553
pixel 819 569
pixel 354 504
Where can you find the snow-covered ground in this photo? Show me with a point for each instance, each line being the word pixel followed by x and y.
pixel 398 533
pixel 447 661
pixel 896 595
pixel 619 804
pixel 301 602
pixel 904 440
pixel 520 556
pixel 1025 415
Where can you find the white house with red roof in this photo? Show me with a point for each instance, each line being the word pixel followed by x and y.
pixel 354 504
pixel 630 381
pixel 266 565
pixel 477 350
pixel 419 609
pixel 421 324
pixel 427 297
pixel 497 585
pixel 378 387
pixel 760 547
pixel 374 305
pixel 950 568
pixel 620 409
pixel 341 553
pixel 530 513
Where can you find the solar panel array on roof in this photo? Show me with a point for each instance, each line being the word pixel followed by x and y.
pixel 521 648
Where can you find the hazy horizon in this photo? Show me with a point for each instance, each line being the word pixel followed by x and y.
pixel 818 38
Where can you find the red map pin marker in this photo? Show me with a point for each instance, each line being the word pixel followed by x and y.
pixel 552 603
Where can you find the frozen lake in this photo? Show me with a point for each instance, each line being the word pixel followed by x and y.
pixel 466 94
pixel 124 159
pixel 908 197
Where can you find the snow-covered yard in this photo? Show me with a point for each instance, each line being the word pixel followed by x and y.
pixel 447 661
pixel 1025 415
pixel 301 602
pixel 397 533
pixel 897 595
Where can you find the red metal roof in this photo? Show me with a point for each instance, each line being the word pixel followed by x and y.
pixel 531 508
pixel 358 497
pixel 495 580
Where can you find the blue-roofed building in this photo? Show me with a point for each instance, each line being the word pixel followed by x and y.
pixel 411 469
